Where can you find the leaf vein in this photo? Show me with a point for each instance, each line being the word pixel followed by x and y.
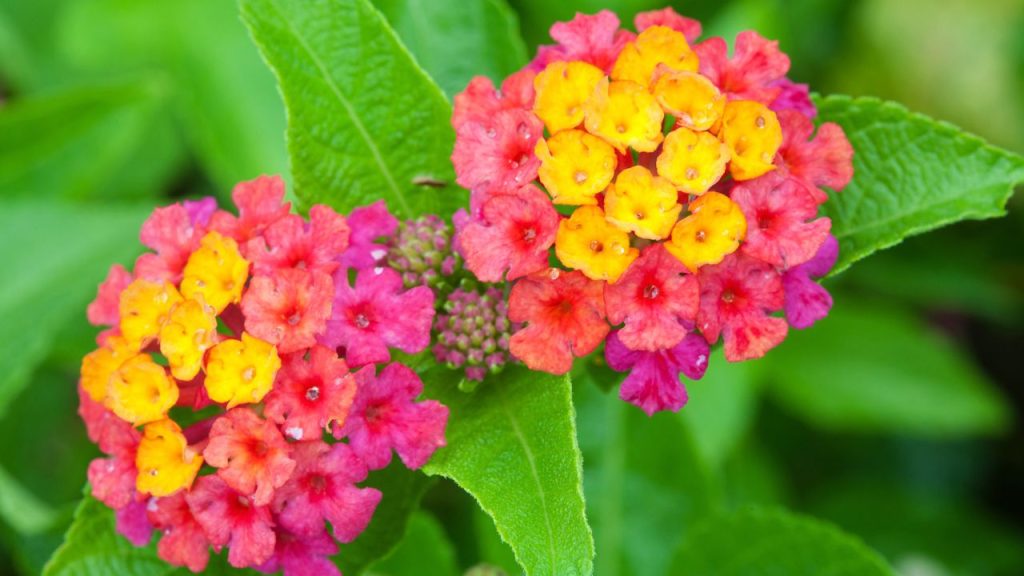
pixel 357 121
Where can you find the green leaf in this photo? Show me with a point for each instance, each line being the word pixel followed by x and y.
pixel 226 98
pixel 424 550
pixel 42 479
pixel 455 40
pixel 230 105
pixel 107 141
pixel 757 542
pixel 21 510
pixel 958 270
pixel 646 481
pixel 26 29
pixel 92 546
pixel 911 526
pixel 911 174
pixel 512 445
pixel 877 369
pixel 721 405
pixel 493 551
pixel 58 254
pixel 364 121
pixel 402 489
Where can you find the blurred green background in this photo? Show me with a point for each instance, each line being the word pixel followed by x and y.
pixel 898 418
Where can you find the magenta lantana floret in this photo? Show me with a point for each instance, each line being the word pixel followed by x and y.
pixel 259 319
pixel 652 191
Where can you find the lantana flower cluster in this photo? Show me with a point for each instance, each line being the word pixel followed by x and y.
pixel 244 386
pixel 649 191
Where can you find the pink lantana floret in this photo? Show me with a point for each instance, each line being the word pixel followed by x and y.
pixel 311 394
pixel 302 556
pixel 250 453
pixel 113 480
pixel 498 154
pixel 806 300
pixel 260 203
pixel 103 311
pixel 595 39
pixel 323 489
pixel 751 72
pixel 653 383
pixel 111 434
pixel 824 160
pixel 231 519
pixel 565 317
pixel 795 97
pixel 200 211
pixel 375 314
pixel 386 416
pixel 291 242
pixel 656 299
pixel 183 542
pixel 288 307
pixel 736 300
pixel 368 224
pixel 480 101
pixel 781 226
pixel 131 522
pixel 171 234
pixel 669 18
pixel 512 236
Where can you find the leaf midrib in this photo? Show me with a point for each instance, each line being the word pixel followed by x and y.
pixel 533 472
pixel 885 222
pixel 356 120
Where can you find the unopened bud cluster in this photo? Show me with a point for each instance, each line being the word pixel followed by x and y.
pixel 473 332
pixel 421 251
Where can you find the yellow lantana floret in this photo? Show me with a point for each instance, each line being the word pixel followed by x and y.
pixel 692 161
pixel 164 460
pixel 691 98
pixel 190 331
pixel 575 166
pixel 100 365
pixel 144 307
pixel 216 271
pixel 241 371
pixel 562 88
pixel 753 135
pixel 587 242
pixel 642 203
pixel 712 231
pixel 141 391
pixel 626 115
pixel 654 46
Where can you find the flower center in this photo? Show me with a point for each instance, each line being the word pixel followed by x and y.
pixel 260 448
pixel 317 483
pixel 728 296
pixel 651 291
pixel 313 393
pixel 362 321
